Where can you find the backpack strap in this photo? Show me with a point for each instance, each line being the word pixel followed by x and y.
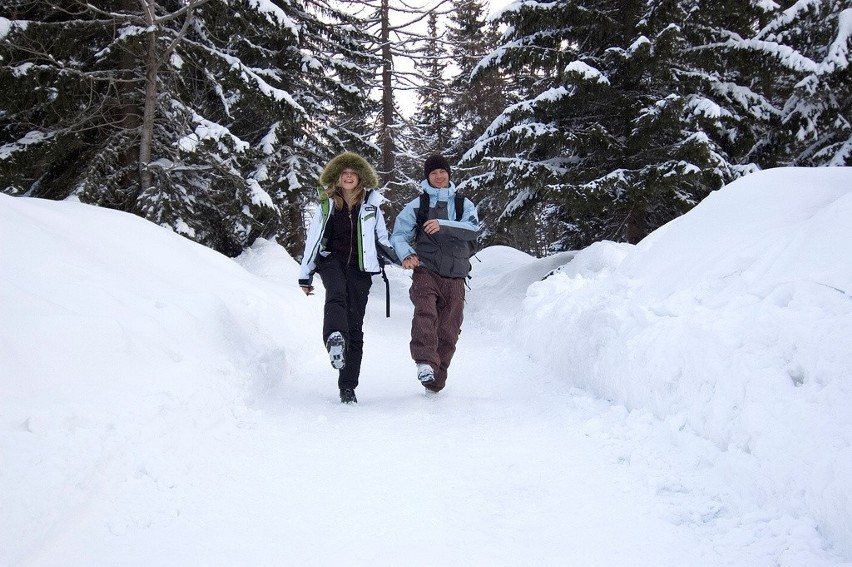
pixel 387 290
pixel 323 199
pixel 326 210
pixel 423 209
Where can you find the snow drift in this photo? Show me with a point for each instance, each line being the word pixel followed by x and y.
pixel 734 320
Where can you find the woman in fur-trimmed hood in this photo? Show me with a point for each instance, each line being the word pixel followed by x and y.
pixel 335 167
pixel 342 248
pixel 330 178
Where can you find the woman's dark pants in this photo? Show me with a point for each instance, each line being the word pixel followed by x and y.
pixel 346 291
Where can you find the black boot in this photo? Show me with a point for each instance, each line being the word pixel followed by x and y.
pixel 347 396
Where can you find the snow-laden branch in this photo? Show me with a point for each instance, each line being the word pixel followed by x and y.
pixel 837 55
pixel 6 27
pixel 587 72
pixel 787 16
pixel 206 130
pixel 250 76
pixel 32 138
pixel 273 13
pixel 786 55
pixel 757 105
pixel 524 44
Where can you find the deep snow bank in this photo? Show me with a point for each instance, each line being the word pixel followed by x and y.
pixel 734 320
pixel 123 345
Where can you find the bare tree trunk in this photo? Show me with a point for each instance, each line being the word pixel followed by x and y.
pixel 130 120
pixel 636 228
pixel 388 159
pixel 153 60
pixel 150 103
pixel 295 243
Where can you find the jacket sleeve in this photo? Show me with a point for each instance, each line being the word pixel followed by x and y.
pixel 312 245
pixel 383 245
pixel 465 229
pixel 403 231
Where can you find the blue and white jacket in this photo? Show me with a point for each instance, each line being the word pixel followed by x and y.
pixel 447 253
pixel 371 227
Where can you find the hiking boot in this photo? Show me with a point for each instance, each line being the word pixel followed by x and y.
pixel 347 396
pixel 336 347
pixel 425 373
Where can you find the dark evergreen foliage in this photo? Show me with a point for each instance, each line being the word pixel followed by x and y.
pixel 475 100
pixel 250 100
pixel 623 115
pixel 579 120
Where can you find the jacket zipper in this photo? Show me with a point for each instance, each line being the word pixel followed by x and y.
pixel 351 237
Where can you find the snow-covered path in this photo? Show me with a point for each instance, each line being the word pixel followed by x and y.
pixel 506 467
pixel 163 406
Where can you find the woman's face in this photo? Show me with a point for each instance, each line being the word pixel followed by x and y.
pixel 348 179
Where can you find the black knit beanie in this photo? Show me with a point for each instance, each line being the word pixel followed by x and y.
pixel 434 162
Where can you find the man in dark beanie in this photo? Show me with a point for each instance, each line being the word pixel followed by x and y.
pixel 434 235
pixel 434 162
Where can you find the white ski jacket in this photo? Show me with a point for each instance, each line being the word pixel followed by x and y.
pixel 371 225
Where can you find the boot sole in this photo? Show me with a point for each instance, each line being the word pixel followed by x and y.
pixel 335 345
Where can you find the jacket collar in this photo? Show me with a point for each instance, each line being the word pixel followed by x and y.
pixel 444 194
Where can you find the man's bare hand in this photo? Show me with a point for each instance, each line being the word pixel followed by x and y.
pixel 431 226
pixel 309 289
pixel 411 262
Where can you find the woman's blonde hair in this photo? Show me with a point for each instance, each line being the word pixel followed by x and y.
pixel 335 193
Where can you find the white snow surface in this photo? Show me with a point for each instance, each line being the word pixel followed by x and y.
pixel 685 401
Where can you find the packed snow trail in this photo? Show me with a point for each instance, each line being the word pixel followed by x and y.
pixel 164 406
pixel 507 466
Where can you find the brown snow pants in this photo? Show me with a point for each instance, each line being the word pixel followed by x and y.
pixel 438 314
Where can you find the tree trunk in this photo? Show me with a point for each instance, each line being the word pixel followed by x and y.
pixel 636 228
pixel 150 103
pixel 388 175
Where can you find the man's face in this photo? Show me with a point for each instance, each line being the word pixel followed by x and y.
pixel 439 178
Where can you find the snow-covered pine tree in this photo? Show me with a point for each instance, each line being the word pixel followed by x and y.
pixel 696 113
pixel 184 112
pixel 510 148
pixel 811 42
pixel 70 99
pixel 621 124
pixel 314 103
pixel 474 101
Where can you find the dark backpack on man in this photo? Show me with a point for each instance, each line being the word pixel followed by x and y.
pixel 423 209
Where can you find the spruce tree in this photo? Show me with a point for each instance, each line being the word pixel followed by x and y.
pixel 475 100
pixel 620 124
pixel 431 116
pixel 810 43
pixel 212 118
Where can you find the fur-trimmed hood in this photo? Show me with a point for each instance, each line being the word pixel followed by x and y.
pixel 350 160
